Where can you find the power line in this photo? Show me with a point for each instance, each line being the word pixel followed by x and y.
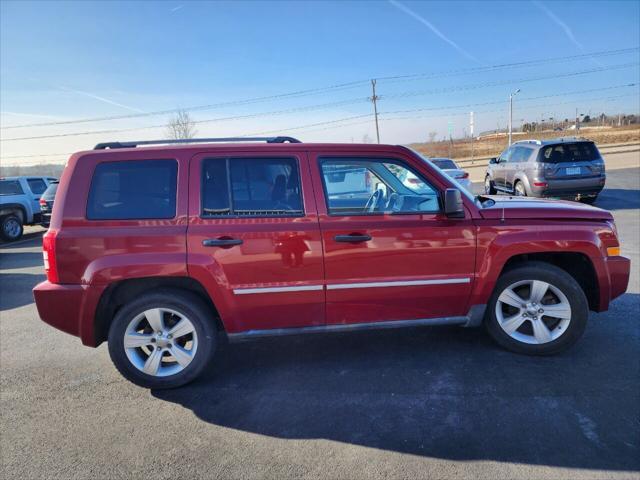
pixel 446 107
pixel 312 107
pixel 336 87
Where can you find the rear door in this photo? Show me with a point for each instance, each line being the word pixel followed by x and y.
pixel 390 252
pixel 254 239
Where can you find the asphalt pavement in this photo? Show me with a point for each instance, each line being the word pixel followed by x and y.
pixel 414 403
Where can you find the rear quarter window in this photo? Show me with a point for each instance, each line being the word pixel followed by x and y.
pixel 36 185
pixel 133 190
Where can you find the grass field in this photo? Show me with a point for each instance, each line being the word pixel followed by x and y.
pixel 492 146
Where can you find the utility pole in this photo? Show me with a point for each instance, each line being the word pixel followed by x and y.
pixel 511 95
pixel 374 99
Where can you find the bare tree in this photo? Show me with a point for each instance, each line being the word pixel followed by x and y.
pixel 181 125
pixel 432 136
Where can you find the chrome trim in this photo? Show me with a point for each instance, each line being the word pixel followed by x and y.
pixel 300 288
pixel 408 283
pixel 250 334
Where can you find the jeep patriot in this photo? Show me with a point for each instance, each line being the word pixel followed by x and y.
pixel 163 248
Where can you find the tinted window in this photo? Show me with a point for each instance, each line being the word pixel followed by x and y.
pixel 133 190
pixel 505 156
pixel 444 163
pixel 36 185
pixel 366 187
pixel 520 154
pixel 10 187
pixel 570 152
pixel 259 187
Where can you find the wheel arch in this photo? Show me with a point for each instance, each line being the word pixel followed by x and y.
pixel 576 264
pixel 118 294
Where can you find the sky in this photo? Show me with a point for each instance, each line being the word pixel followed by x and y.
pixel 304 68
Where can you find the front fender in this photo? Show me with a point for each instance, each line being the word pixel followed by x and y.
pixel 498 244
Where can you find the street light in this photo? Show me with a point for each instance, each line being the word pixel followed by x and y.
pixel 511 95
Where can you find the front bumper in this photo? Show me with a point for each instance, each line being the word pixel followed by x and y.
pixel 70 308
pixel 619 271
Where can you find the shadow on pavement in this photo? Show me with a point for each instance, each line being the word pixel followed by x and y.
pixel 15 289
pixel 438 392
pixel 618 199
pixel 13 260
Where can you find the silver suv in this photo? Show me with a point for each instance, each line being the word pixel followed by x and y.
pixel 569 168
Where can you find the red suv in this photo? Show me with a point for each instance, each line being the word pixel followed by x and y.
pixel 163 250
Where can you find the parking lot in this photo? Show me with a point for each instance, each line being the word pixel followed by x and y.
pixel 421 403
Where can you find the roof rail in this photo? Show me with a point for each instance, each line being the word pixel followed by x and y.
pixel 134 144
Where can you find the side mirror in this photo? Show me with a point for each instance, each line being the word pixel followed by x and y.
pixel 453 206
pixel 493 160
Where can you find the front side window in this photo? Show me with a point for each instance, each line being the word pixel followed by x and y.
pixel 36 185
pixel 250 187
pixel 369 187
pixel 133 190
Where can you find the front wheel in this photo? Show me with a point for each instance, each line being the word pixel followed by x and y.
pixel 489 189
pixel 537 309
pixel 162 339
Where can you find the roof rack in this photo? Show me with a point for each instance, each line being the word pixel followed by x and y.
pixel 134 144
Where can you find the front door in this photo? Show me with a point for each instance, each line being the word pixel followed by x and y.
pixel 390 252
pixel 254 239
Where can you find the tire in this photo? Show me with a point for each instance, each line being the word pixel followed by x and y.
pixel 589 200
pixel 563 290
pixel 489 188
pixel 519 189
pixel 157 352
pixel 11 228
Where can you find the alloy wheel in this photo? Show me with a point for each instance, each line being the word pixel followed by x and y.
pixel 520 191
pixel 11 228
pixel 160 342
pixel 533 312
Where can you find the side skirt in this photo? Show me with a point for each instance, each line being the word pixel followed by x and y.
pixel 352 327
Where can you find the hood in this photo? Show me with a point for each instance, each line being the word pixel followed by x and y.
pixel 527 207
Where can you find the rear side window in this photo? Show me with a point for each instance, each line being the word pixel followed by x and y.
pixel 10 187
pixel 251 187
pixel 36 185
pixel 520 154
pixel 133 190
pixel 570 152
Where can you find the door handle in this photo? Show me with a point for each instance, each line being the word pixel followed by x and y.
pixel 352 238
pixel 221 242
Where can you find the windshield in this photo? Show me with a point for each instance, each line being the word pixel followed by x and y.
pixel 444 163
pixel 464 191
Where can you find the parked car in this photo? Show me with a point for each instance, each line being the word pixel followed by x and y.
pixel 452 169
pixel 163 250
pixel 46 203
pixel 19 197
pixel 570 168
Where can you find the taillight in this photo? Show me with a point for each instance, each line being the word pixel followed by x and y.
pixel 49 255
pixel 462 175
pixel 43 202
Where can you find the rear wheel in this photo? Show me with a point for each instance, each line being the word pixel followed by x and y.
pixel 11 227
pixel 519 189
pixel 162 339
pixel 537 309
pixel 489 189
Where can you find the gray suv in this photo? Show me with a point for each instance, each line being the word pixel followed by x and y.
pixel 570 168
